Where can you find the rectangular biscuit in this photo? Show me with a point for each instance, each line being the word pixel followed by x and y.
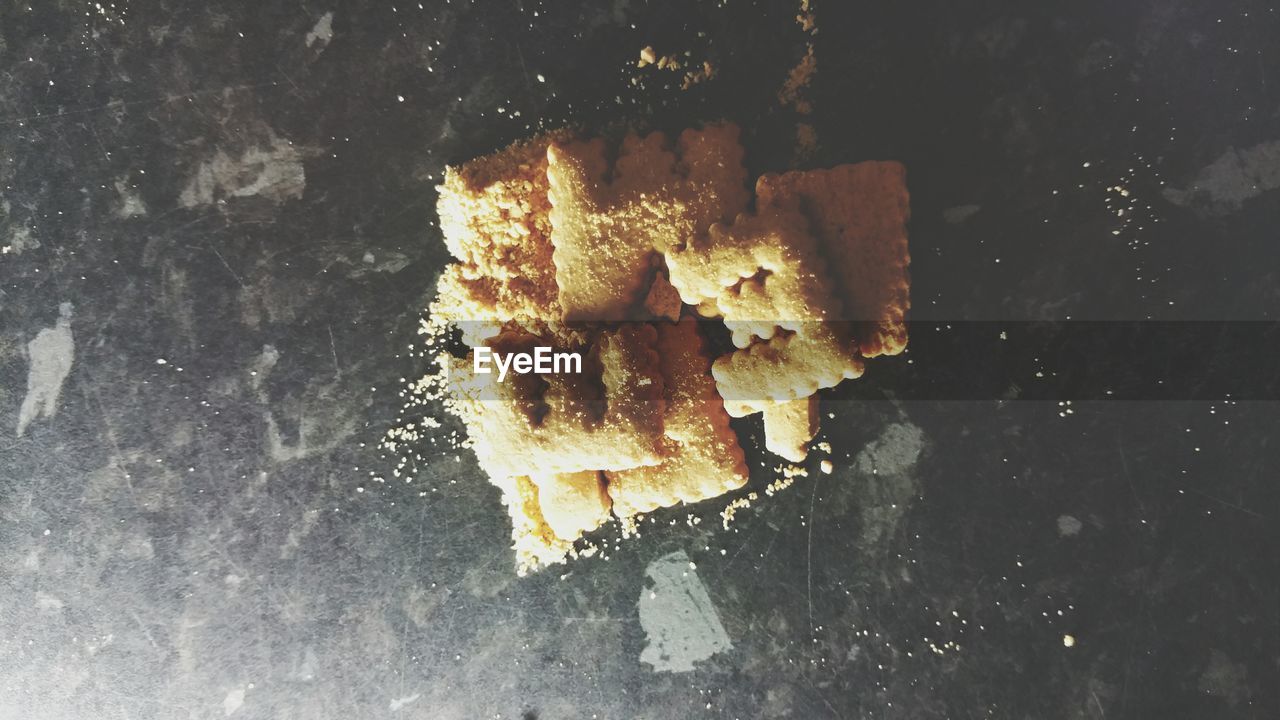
pixel 494 214
pixel 702 458
pixel 764 276
pixel 608 220
pixel 607 418
pixel 859 213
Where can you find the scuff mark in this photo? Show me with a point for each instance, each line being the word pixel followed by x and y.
pixel 1225 678
pixel 960 213
pixel 20 240
pixel 388 261
pixel 680 622
pixel 273 171
pixel 131 204
pixel 895 451
pixel 322 32
pixel 398 703
pixel 1069 525
pixel 1236 176
pixel 888 487
pixel 51 354
pixel 232 701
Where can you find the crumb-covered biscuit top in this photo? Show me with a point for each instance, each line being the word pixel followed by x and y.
pixel 859 213
pixel 608 220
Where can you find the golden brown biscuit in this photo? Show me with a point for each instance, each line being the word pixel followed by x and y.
pixel 786 367
pixel 702 455
pixel 859 213
pixel 572 503
pixel 494 214
pixel 763 275
pixel 607 418
pixel 535 543
pixel 789 426
pixel 606 227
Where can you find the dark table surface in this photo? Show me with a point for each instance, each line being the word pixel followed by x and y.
pixel 218 234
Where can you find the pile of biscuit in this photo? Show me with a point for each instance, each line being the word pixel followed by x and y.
pixel 624 254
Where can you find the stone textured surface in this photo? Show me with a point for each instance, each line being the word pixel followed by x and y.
pixel 221 216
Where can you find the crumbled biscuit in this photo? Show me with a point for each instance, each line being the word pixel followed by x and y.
pixel 572 503
pixel 787 367
pixel 859 213
pixel 606 226
pixel 763 275
pixel 789 426
pixel 607 418
pixel 549 232
pixel 534 542
pixel 494 213
pixel 702 455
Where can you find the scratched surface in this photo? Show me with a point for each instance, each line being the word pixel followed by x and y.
pixel 216 233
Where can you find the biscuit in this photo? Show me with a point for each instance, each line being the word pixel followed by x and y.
pixel 789 426
pixel 702 455
pixel 763 275
pixel 494 214
pixel 607 418
pixel 786 367
pixel 534 542
pixel 572 503
pixel 859 213
pixel 607 222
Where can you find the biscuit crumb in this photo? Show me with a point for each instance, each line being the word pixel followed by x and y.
pixel 699 75
pixel 826 467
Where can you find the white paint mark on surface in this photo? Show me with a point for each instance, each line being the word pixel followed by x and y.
pixel 232 701
pixel 131 204
pixel 680 623
pixel 273 171
pixel 50 355
pixel 48 603
pixel 322 32
pixel 895 451
pixel 1069 525
pixel 1236 176
pixel 1225 678
pixel 20 240
pixel 960 213
pixel 398 703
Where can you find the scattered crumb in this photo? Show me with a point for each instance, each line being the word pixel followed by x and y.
pixel 826 467
pixel 649 57
pixel 693 77
pixel 731 510
pixel 798 80
pixel 793 92
pixel 807 20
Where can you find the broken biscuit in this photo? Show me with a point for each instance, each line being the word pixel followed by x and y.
pixel 494 213
pixel 702 458
pixel 572 503
pixel 789 426
pixel 763 275
pixel 609 417
pixel 606 223
pixel 859 213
